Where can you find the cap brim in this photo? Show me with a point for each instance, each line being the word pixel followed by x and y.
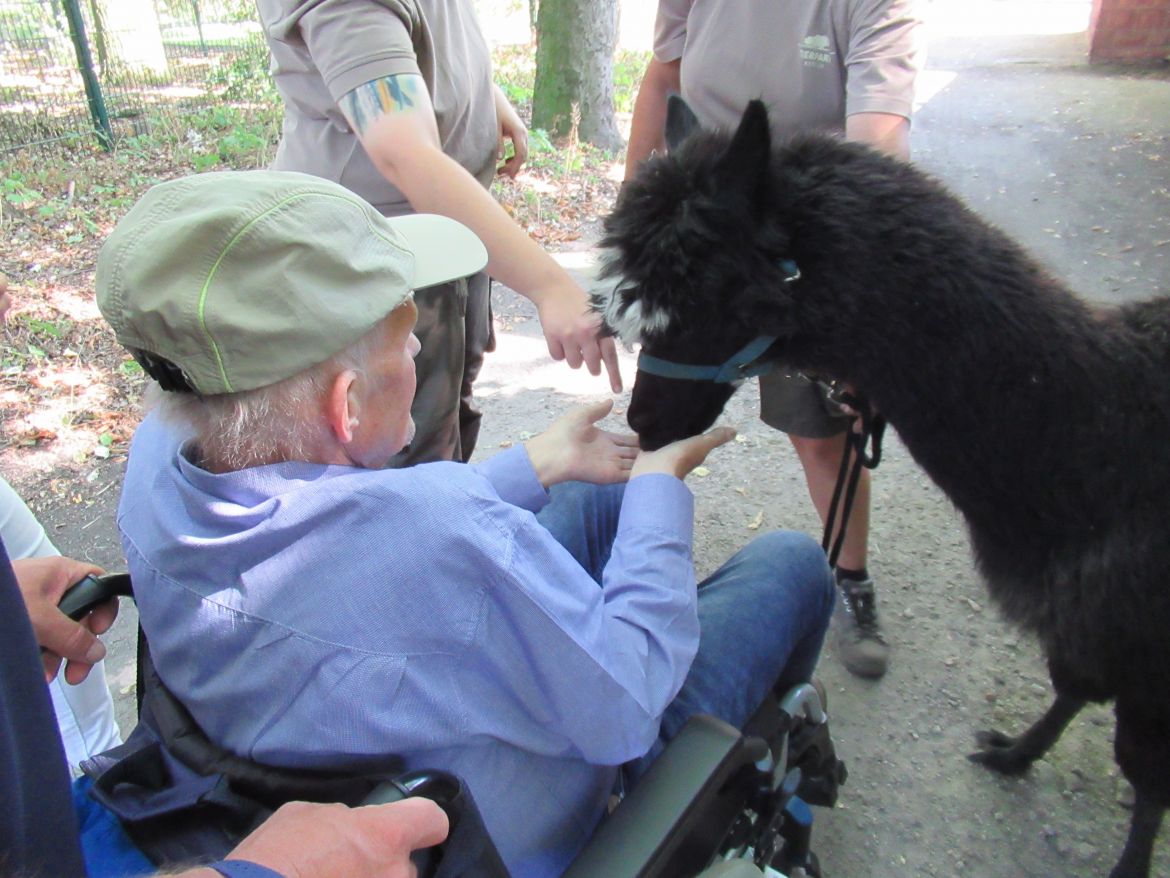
pixel 444 250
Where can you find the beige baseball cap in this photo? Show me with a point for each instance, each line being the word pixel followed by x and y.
pixel 245 278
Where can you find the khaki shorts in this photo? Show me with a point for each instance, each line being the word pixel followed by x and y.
pixel 799 407
pixel 455 328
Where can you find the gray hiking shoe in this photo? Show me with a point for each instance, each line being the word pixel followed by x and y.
pixel 859 641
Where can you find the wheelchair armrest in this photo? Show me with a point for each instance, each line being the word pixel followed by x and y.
pixel 674 821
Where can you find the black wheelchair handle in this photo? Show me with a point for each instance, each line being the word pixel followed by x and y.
pixel 93 591
pixel 440 787
pixel 474 853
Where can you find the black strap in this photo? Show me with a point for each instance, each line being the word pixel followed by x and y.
pixel 872 427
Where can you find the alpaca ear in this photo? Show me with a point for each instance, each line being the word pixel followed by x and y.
pixel 745 163
pixel 681 121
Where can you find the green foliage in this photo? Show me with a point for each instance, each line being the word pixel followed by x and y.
pixel 628 68
pixel 514 68
pixel 56 329
pixel 18 194
pixel 230 136
pixel 29 23
pixel 245 77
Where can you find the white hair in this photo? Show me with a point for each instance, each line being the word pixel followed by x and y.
pixel 282 421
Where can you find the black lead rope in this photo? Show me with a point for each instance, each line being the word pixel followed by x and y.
pixel 856 441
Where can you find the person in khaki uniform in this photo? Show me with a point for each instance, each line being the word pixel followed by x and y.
pixel 838 65
pixel 393 99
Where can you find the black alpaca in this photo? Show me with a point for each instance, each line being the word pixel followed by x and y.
pixel 1045 421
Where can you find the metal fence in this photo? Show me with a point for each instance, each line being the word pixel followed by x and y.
pixel 115 68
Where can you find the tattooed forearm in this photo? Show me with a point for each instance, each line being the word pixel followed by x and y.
pixel 390 94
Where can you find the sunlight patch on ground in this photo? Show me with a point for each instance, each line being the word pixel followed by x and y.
pixel 580 261
pixel 929 84
pixel 521 363
pixel 978 18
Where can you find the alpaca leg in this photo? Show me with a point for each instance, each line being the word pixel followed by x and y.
pixel 1008 755
pixel 1143 829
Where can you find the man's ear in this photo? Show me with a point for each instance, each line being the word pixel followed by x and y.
pixel 681 121
pixel 343 405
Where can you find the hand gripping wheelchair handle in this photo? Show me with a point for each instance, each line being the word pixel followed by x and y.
pixel 93 591
pixel 468 849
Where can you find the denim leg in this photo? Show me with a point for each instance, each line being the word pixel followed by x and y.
pixel 762 619
pixel 584 518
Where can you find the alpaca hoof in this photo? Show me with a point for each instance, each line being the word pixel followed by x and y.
pixel 999 753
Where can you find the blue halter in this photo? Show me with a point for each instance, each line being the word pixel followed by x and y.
pixel 744 363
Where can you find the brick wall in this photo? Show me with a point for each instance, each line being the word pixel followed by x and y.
pixel 1129 31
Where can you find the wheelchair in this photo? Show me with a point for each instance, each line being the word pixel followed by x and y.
pixel 718 803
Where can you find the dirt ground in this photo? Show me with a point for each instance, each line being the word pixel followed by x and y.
pixel 1073 161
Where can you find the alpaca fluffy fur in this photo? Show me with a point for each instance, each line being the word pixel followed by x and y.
pixel 1044 420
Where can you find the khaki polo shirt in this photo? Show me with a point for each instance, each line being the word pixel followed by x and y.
pixel 323 49
pixel 813 62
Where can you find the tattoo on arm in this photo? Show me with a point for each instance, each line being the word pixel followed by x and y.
pixel 390 94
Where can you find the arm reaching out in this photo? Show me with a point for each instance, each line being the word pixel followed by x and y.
pixel 574 448
pixel 649 119
pixel 395 121
pixel 679 458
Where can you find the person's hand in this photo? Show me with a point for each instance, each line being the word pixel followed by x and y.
pixel 512 128
pixel 5 298
pixel 42 581
pixel 573 332
pixel 574 448
pixel 679 458
pixel 302 840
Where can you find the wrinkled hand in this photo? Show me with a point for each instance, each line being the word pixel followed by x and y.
pixel 42 581
pixel 572 331
pixel 332 841
pixel 512 128
pixel 681 457
pixel 5 298
pixel 574 448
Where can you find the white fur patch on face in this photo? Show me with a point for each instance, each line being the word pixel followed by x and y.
pixel 632 322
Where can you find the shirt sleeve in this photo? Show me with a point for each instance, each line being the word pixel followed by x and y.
pixel 884 57
pixel 577 669
pixel 670 29
pixel 353 42
pixel 513 478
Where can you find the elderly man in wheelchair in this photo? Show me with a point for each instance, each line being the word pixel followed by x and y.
pixel 525 632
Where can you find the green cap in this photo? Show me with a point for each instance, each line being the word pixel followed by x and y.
pixel 245 278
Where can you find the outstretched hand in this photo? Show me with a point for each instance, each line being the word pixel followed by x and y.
pixel 42 581
pixel 681 457
pixel 573 332
pixel 574 448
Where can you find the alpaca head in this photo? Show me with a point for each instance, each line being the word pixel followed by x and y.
pixel 699 266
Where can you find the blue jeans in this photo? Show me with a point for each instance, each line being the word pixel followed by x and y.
pixel 762 615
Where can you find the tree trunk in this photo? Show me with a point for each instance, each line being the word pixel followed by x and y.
pixel 575 42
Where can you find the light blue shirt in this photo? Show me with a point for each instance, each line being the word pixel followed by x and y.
pixel 311 615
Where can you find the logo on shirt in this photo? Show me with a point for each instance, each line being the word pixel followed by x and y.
pixel 815 51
